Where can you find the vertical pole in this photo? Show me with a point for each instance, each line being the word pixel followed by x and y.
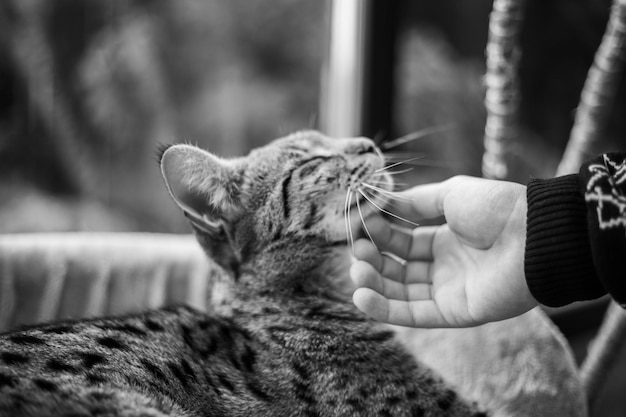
pixel 343 78
pixel 357 79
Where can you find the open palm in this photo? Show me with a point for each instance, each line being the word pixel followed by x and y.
pixel 465 272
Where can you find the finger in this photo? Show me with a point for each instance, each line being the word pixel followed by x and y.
pixel 383 234
pixel 419 246
pixel 418 272
pixel 366 251
pixel 415 244
pixel 403 313
pixel 385 265
pixel 391 267
pixel 364 275
pixel 423 201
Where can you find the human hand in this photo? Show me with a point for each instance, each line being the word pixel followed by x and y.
pixel 466 272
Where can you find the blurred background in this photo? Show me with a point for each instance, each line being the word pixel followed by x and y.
pixel 89 88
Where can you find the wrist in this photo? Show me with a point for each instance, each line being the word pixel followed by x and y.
pixel 558 264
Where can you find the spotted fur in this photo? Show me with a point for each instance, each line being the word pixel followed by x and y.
pixel 286 342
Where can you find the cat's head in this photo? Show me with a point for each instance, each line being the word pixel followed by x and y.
pixel 286 200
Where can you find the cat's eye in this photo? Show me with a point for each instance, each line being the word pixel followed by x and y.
pixel 367 149
pixel 296 150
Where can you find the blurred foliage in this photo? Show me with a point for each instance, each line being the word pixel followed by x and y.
pixel 90 88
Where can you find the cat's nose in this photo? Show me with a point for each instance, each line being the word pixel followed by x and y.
pixel 360 146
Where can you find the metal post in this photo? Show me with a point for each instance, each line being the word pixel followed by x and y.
pixel 341 110
pixel 357 82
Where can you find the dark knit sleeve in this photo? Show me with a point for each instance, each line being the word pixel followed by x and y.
pixel 558 263
pixel 603 182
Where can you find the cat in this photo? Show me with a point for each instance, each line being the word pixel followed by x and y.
pixel 285 341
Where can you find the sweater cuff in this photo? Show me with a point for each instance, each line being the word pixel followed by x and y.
pixel 558 263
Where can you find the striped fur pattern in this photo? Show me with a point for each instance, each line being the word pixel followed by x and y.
pixel 286 342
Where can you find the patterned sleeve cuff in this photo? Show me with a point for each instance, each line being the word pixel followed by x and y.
pixel 604 186
pixel 558 264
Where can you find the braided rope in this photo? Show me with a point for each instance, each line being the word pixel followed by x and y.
pixel 502 89
pixel 599 91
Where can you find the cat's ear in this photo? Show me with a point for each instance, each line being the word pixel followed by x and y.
pixel 203 185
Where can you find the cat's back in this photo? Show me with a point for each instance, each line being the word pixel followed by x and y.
pixel 335 362
pixel 181 362
pixel 175 361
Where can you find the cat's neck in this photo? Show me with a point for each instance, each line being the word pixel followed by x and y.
pixel 296 308
pixel 297 268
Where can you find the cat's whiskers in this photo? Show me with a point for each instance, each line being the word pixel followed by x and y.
pixel 391 194
pixel 414 136
pixel 346 216
pixel 382 201
pixel 383 210
pixel 403 171
pixel 349 231
pixel 423 162
pixel 380 180
pixel 402 155
pixel 399 163
pixel 358 206
pixel 385 182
